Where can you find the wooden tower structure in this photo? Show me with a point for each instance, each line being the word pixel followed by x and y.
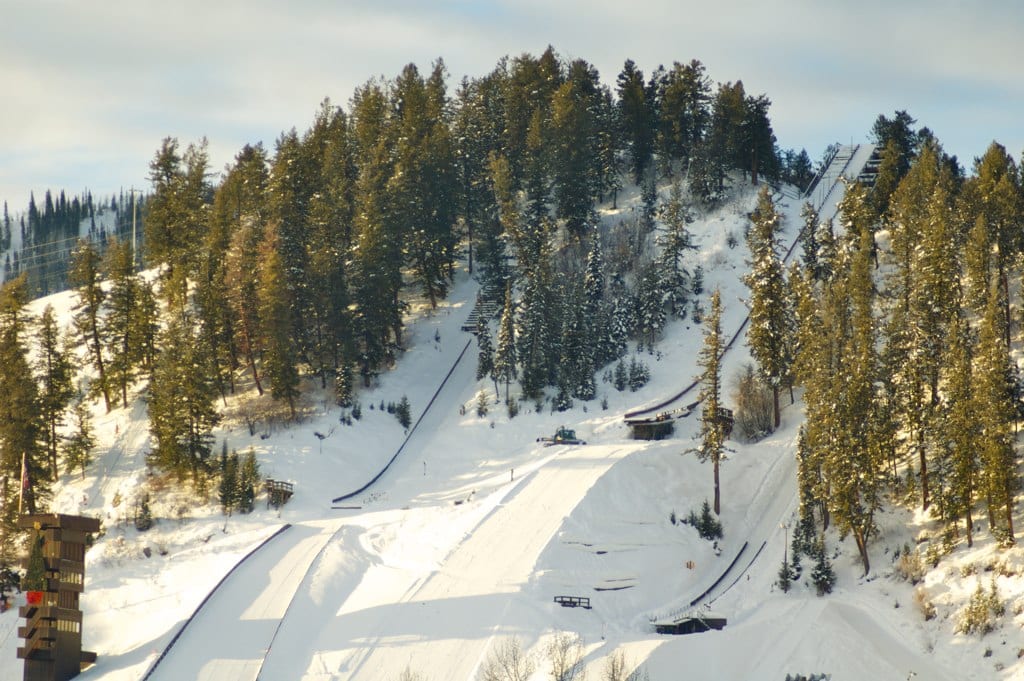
pixel 53 624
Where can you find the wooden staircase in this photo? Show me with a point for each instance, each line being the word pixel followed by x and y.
pixel 489 303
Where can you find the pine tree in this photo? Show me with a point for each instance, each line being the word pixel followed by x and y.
pixel 908 216
pixel 608 148
pixel 240 214
pixel 343 388
pixel 210 293
pixel 827 250
pixel 674 242
pixel 596 313
pixel 5 230
pixel 999 481
pixel 563 398
pixel 639 374
pixel 725 144
pixel 147 324
pixel 932 302
pixel 786 576
pixel 844 422
pixel 56 374
pixel 403 412
pixel 538 332
pixel 422 189
pixel 823 575
pixel 684 113
pixel 177 214
pixel 248 479
pixel 649 305
pixel 227 490
pixel 769 334
pixel 180 405
pixel 35 572
pixel 574 167
pixel 21 424
pixel 293 180
pixel 711 428
pixel 899 132
pixel 808 476
pixel 619 313
pixel 636 117
pixel 798 170
pixel 995 194
pixel 809 239
pixel 143 515
pixel 577 348
pixel 213 313
pixel 86 277
pixel 528 83
pixel 505 356
pixel 977 265
pixel 375 272
pixel 890 172
pixel 758 140
pixel 485 357
pixel 78 445
pixel 330 241
pixel 621 376
pixel 120 323
pixel 708 526
pixel 280 361
pixel 482 403
pixel 476 136
pixel 242 283
pixel 925 281
pixel 960 424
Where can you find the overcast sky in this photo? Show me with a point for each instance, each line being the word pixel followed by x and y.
pixel 88 90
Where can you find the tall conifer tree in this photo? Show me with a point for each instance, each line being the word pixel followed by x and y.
pixel 21 423
pixel 992 390
pixel 56 376
pixel 712 431
pixel 280 357
pixel 505 356
pixel 86 276
pixel 674 242
pixel 769 335
pixel 180 404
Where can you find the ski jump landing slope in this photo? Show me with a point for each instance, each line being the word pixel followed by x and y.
pixel 315 604
pixel 443 619
pixel 229 636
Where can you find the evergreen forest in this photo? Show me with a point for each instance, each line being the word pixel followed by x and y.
pixel 294 267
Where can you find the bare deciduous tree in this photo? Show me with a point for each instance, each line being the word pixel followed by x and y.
pixel 507 662
pixel 615 669
pixel 565 652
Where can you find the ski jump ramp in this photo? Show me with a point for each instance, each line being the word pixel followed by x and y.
pixel 849 164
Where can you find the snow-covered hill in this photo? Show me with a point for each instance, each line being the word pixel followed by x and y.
pixel 468 537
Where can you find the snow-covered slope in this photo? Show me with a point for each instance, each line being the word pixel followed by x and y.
pixel 468 537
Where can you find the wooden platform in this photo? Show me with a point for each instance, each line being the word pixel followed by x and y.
pixel 690 625
pixel 278 492
pixel 573 601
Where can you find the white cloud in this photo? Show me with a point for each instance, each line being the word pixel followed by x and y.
pixel 109 81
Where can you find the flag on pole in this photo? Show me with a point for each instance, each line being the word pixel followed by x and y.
pixel 24 482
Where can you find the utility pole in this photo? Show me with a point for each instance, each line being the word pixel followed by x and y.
pixel 785 542
pixel 135 262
